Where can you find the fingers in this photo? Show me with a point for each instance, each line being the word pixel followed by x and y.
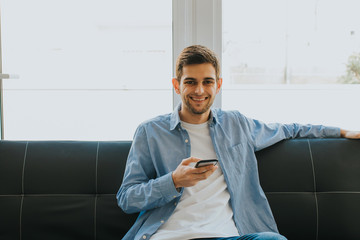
pixel 204 172
pixel 203 169
pixel 187 176
pixel 189 160
pixel 352 134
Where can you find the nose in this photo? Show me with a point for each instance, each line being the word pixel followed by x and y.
pixel 199 89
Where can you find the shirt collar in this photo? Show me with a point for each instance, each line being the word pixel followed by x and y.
pixel 175 117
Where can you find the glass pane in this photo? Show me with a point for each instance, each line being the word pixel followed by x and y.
pixel 254 41
pixel 80 115
pixel 290 41
pixel 331 107
pixel 99 47
pixel 322 37
pixel 273 50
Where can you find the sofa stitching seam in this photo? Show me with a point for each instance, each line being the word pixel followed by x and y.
pixel 329 192
pixel 23 170
pixel 96 186
pixel 22 190
pixel 59 195
pixel 315 190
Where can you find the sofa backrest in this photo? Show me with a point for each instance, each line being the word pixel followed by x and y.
pixel 62 190
pixel 66 189
pixel 313 186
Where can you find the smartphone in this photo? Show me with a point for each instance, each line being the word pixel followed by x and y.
pixel 202 163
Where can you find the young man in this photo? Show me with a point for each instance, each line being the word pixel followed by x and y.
pixel 177 200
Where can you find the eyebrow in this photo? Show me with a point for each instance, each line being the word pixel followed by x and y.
pixel 207 78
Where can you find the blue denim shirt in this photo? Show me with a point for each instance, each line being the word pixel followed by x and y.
pixel 160 145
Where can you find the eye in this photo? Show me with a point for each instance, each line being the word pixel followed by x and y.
pixel 209 82
pixel 189 82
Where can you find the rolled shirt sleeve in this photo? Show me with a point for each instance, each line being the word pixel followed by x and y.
pixel 264 135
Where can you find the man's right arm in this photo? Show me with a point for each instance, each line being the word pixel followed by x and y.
pixel 141 189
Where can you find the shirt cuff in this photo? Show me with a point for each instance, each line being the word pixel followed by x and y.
pixel 168 189
pixel 332 132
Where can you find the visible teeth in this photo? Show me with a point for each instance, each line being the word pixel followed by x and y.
pixel 198 99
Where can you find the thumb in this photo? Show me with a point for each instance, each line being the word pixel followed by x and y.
pixel 189 160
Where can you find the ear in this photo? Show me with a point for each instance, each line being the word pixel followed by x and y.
pixel 219 84
pixel 176 85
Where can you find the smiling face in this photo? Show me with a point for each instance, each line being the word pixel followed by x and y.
pixel 197 87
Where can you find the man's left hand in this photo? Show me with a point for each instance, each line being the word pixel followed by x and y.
pixel 350 134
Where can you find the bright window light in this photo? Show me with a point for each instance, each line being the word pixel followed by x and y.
pixel 89 70
pixel 290 41
pixel 291 60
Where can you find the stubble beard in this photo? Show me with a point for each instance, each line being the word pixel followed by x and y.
pixel 196 111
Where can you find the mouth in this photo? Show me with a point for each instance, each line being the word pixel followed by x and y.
pixel 199 99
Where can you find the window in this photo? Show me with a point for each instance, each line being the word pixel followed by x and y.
pixel 286 60
pixel 285 41
pixel 96 69
pixel 87 69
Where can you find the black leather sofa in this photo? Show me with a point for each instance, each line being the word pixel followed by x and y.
pixel 66 190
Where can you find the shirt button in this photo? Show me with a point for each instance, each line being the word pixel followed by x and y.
pixel 186 140
pixel 162 221
pixel 144 237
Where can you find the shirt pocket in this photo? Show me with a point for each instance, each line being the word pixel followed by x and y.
pixel 240 156
pixel 236 156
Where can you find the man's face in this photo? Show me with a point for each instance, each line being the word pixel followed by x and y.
pixel 197 88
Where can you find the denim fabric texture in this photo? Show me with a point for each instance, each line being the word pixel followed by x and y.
pixel 159 146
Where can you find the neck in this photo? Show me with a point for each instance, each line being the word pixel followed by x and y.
pixel 194 118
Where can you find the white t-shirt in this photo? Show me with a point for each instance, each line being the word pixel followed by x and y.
pixel 204 209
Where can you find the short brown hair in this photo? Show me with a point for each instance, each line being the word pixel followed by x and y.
pixel 196 54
